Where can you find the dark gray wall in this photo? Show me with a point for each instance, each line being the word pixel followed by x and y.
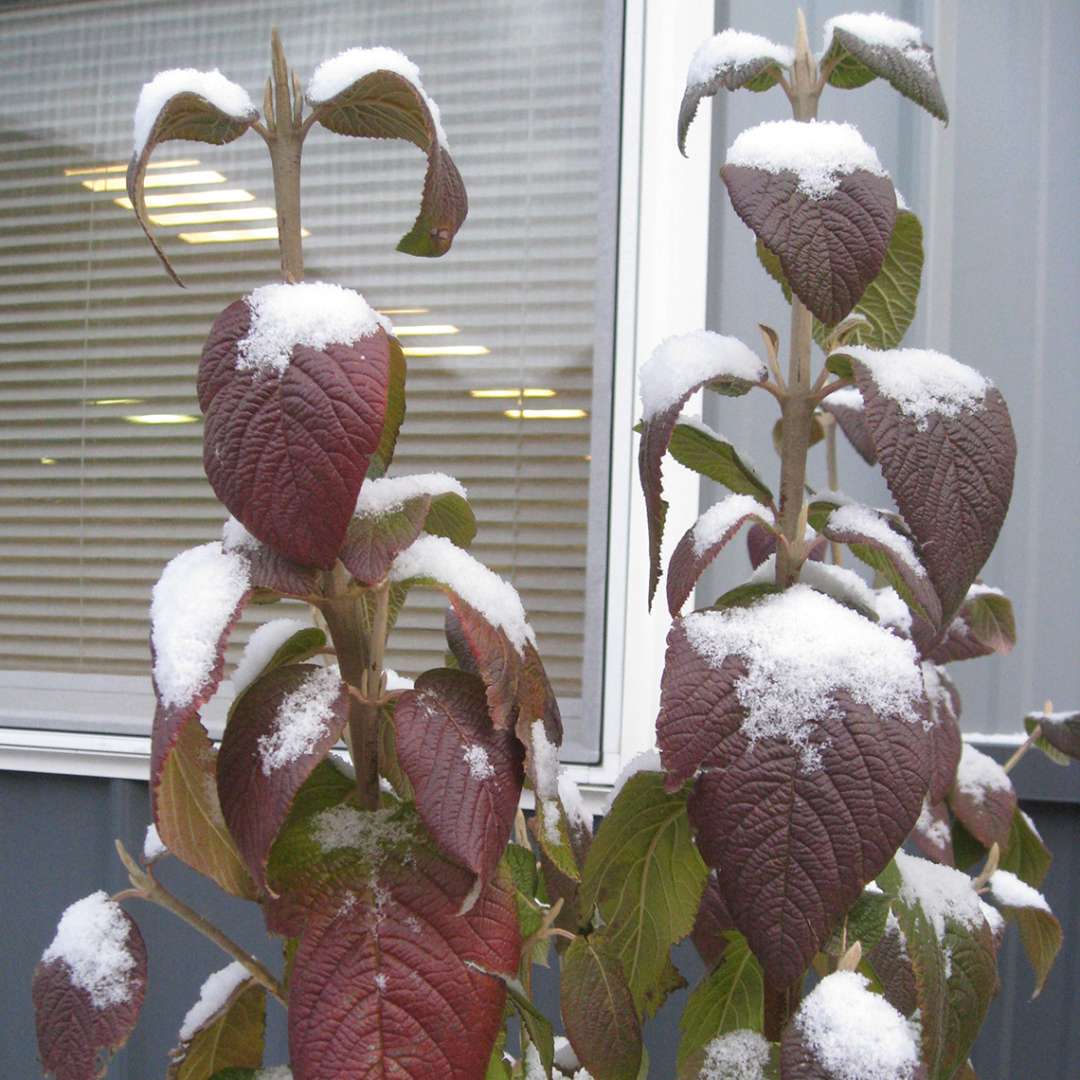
pixel 56 845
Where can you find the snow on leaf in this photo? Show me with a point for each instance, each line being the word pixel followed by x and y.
pixel 598 1010
pixel 1040 931
pixel 377 94
pixel 1059 736
pixel 932 835
pixel 269 570
pixel 942 723
pixel 182 103
pixel 466 774
pixel 278 732
pixel 846 405
pixel 730 60
pixel 286 445
pixel 983 798
pixel 743 1054
pixel 817 197
pixel 273 643
pixel 677 368
pixel 88 988
pixel 945 443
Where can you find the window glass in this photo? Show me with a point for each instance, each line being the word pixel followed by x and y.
pixel 508 336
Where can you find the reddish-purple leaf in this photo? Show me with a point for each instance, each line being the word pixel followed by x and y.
pixel 391 104
pixel 942 725
pixel 281 728
pixel 891 964
pixel 391 981
pixel 466 774
pixel 1059 732
pixel 830 247
pixel 712 923
pixel 88 989
pixel 796 829
pixel 946 447
pixel 373 541
pixel 761 543
pixel 287 448
pixel 932 835
pixel 267 568
pixel 704 541
pixel 846 406
pixel 983 798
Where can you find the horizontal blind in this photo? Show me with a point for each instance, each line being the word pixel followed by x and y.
pixel 93 337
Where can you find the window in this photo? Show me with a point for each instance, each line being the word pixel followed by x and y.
pixel 101 434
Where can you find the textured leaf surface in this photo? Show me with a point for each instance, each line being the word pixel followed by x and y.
pixel 891 964
pixel 187 116
pixel 943 724
pixel 932 835
pixel 691 557
pixel 646 877
pixel 386 105
pixel 717 459
pixel 287 453
pixel 712 923
pixel 984 625
pixel 76 1037
pixel 390 980
pixel 598 1011
pixel 280 730
pixel 728 998
pixel 830 248
pixel 1026 855
pixel 850 419
pixel 466 774
pixel 983 799
pixel 757 74
pixel 909 70
pixel 269 571
pixel 951 477
pixel 1059 734
pixel 231 1038
pixel 793 847
pixel 1041 936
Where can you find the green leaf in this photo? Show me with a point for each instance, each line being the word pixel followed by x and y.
pixel 533 1023
pixel 231 1038
pixel 1026 856
pixel 728 998
pixel 967 851
pixel 645 876
pixel 303 645
pixel 1040 931
pixel 598 1011
pixel 745 595
pixel 451 516
pixel 1059 737
pixel 865 922
pixel 717 459
pixel 840 364
pixel 990 619
pixel 498 1067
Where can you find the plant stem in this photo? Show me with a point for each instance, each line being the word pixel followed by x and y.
pixel 286 140
pixel 1021 750
pixel 146 887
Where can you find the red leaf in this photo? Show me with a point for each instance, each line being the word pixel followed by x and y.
pixel 268 569
pixel 795 828
pixel 948 463
pixel 943 724
pixel 847 407
pixel 392 981
pixel 281 728
pixel 932 835
pixel 712 923
pixel 983 798
pixel 761 543
pixel 830 247
pixel 287 450
pixel 372 542
pixel 466 774
pixel 88 989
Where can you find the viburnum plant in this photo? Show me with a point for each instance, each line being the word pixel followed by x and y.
pixel 807 725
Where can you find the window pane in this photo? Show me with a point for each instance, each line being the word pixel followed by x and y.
pixel 100 459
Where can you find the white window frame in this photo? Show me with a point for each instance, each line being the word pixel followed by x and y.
pixel 661 280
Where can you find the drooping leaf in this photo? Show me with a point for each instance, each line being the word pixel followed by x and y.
pixel 907 65
pixel 795 829
pixel 389 102
pixel 278 733
pixel 709 455
pixel 1059 734
pixel 705 539
pixel 88 989
pixel 727 998
pixel 846 407
pixel 713 923
pixel 1026 855
pixel 272 575
pixel 677 369
pixel 534 1022
pixel 466 774
pixel 1040 931
pixel 598 1011
pixel 716 67
pixel 983 798
pixel 286 449
pixel 872 539
pixel 830 248
pixel 395 412
pixel 646 878
pixel 201 106
pixel 230 1037
pixel 984 625
pixel 946 447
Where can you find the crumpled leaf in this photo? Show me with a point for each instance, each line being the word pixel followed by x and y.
pixel 598 1010
pixel 793 846
pixel 951 477
pixel 715 527
pixel 287 453
pixel 190 116
pixel 466 774
pixel 386 104
pixel 230 1038
pixel 80 1028
pixel 646 878
pixel 910 69
pixel 279 731
pixel 830 248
